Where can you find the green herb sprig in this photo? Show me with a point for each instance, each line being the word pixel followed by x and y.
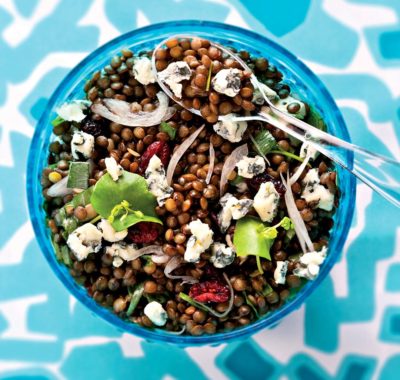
pixel 253 237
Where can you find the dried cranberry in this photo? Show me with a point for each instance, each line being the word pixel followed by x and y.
pixel 160 148
pixel 255 183
pixel 209 291
pixel 92 127
pixel 143 232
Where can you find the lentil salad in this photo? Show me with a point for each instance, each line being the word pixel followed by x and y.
pixel 172 284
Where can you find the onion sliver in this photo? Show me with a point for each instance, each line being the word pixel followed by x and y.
pixel 150 249
pixel 119 112
pixel 230 163
pixel 294 214
pixel 173 264
pixel 180 152
pixel 59 189
pixel 211 163
pixel 300 169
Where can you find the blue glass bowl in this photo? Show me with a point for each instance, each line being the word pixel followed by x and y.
pixel 306 85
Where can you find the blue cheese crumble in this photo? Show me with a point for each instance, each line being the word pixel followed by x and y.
pixel 84 240
pixel 122 251
pixel 200 241
pixel 227 82
pixel 232 208
pixel 310 264
pixel 113 168
pixel 266 202
pixel 229 129
pixel 221 255
pixel 72 111
pixel 109 233
pixel 82 145
pixel 157 181
pixel 142 71
pixel 174 74
pixel 248 167
pixel 156 313
pixel 280 272
pixel 314 192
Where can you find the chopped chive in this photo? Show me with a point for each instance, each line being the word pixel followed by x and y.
pixel 252 306
pixel 57 121
pixel 209 77
pixel 287 154
pixel 167 128
pixel 135 298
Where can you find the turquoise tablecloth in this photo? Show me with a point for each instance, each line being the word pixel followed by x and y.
pixel 350 327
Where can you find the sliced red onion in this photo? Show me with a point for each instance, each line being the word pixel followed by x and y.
pixel 300 169
pixel 294 214
pixel 180 152
pixel 119 112
pixel 173 264
pixel 59 189
pixel 230 163
pixel 211 163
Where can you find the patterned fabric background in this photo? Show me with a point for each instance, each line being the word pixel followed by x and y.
pixel 348 329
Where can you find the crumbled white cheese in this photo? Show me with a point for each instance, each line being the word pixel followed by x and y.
pixel 174 74
pixel 142 71
pixel 84 240
pixel 248 167
pixel 113 168
pixel 221 255
pixel 72 111
pixel 230 130
pixel 310 264
pixel 200 241
pixel 232 208
pixel 258 98
pixel 157 181
pixel 117 262
pixel 266 202
pixel 282 105
pixel 308 149
pixel 121 251
pixel 156 313
pixel 314 192
pixel 227 81
pixel 109 233
pixel 82 145
pixel 280 272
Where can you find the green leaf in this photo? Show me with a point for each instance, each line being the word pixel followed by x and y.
pixel 286 223
pixel 271 233
pixel 83 198
pixel 78 175
pixel 169 129
pixel 135 298
pixel 264 142
pixel 57 121
pixel 130 188
pixel 65 256
pixel 314 118
pixel 249 238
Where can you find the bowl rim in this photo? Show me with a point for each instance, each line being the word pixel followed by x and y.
pixel 160 335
